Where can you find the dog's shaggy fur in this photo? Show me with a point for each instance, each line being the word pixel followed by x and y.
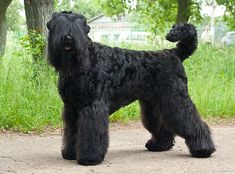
pixel 95 80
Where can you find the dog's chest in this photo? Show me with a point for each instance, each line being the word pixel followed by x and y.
pixel 79 91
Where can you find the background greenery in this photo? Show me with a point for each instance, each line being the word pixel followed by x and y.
pixel 29 100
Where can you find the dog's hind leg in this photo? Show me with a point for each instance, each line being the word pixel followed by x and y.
pixel 162 138
pixel 92 136
pixel 70 131
pixel 179 112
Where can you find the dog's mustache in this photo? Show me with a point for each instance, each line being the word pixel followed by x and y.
pixel 68 43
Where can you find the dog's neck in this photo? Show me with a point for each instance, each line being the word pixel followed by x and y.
pixel 80 64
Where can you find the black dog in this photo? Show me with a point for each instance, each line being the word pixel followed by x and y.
pixel 95 80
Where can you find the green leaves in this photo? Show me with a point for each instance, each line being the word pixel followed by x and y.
pixel 14 20
pixel 229 16
pixel 34 43
pixel 88 8
pixel 158 14
pixel 113 7
pixel 154 15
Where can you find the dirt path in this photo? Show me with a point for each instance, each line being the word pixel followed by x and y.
pixel 127 154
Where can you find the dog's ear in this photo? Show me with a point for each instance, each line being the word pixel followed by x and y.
pixel 50 23
pixel 87 27
pixel 84 20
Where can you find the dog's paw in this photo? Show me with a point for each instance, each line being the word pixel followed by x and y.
pixel 87 162
pixel 68 155
pixel 201 147
pixel 204 153
pixel 159 146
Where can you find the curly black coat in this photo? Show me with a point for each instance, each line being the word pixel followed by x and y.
pixel 95 80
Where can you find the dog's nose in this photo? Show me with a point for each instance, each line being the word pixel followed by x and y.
pixel 68 43
pixel 68 38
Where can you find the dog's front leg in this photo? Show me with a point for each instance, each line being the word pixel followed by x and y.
pixel 92 134
pixel 70 132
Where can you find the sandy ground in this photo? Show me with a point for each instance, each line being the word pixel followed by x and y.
pixel 40 154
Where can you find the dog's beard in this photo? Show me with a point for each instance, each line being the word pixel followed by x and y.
pixel 73 62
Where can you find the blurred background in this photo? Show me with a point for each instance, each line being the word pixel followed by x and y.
pixel 29 100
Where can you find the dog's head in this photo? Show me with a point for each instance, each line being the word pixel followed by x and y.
pixel 67 38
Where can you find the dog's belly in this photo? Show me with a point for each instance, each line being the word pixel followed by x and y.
pixel 121 102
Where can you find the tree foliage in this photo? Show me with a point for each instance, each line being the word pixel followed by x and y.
pixel 3 25
pixel 229 15
pixel 156 15
pixel 113 7
pixel 14 20
pixel 88 8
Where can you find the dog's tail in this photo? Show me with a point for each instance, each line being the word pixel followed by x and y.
pixel 186 35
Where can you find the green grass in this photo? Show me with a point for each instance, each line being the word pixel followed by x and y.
pixel 211 78
pixel 29 100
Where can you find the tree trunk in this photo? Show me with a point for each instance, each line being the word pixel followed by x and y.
pixel 3 26
pixel 38 12
pixel 184 11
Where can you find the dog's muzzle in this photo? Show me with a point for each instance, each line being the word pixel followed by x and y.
pixel 68 43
